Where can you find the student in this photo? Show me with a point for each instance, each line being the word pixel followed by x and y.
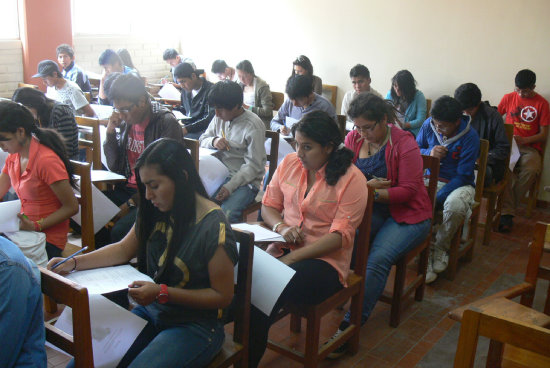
pixel 194 100
pixel 302 66
pixel 183 241
pixel 323 197
pixel 51 114
pixel 239 136
pixel 21 316
pixel 71 71
pixel 447 135
pixel 140 122
pixel 528 112
pixel 301 100
pixel 256 92
pixel 111 62
pixel 38 169
pixel 63 90
pixel 223 71
pixel 173 58
pixel 124 55
pixel 488 124
pixel 409 102
pixel 360 80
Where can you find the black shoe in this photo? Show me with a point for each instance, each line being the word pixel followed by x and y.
pixel 341 350
pixel 506 223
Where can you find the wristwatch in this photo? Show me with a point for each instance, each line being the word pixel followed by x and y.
pixel 162 296
pixel 277 225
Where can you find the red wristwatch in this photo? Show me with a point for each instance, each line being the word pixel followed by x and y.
pixel 162 297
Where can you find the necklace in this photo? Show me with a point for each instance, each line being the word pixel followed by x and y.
pixel 380 146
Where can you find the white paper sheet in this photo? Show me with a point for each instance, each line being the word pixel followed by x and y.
pixel 290 122
pixel 9 221
pixel 206 151
pixel 169 92
pixel 103 209
pixel 514 155
pixel 114 330
pixel 261 234
pixel 103 112
pixel 212 172
pixel 107 279
pixel 178 114
pixel 284 148
pixel 103 137
pixel 269 278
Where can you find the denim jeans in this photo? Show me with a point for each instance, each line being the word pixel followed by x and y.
pixel 237 201
pixel 391 241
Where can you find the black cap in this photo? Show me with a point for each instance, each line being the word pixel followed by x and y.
pixel 45 68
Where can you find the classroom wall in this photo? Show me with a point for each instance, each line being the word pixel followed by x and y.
pixel 11 66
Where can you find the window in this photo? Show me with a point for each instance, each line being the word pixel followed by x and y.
pixel 9 20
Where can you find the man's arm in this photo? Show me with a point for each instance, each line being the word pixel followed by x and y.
pixel 279 120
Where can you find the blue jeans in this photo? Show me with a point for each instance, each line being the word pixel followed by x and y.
pixel 237 201
pixel 391 241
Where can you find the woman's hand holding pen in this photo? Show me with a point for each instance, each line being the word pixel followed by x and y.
pixel 291 234
pixel 379 183
pixel 143 292
pixel 63 268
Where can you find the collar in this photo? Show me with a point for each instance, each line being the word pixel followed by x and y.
pixel 447 142
pixel 71 65
pixel 33 151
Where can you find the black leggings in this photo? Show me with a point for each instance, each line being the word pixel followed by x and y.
pixel 52 251
pixel 314 281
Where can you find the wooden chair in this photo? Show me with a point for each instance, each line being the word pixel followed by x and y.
pixel 341 121
pixel 428 107
pixel 272 158
pixel 494 193
pixel 88 96
pixel 57 289
pixel 85 201
pixel 21 85
pixel 313 313
pixel 89 127
pixel 235 351
pixel 331 92
pixel 465 249
pixel 193 146
pixel 278 98
pixel 401 291
pixel 534 190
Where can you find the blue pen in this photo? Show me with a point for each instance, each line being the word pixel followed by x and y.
pixel 69 257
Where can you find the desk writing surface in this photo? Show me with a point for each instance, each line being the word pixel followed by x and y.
pixel 104 176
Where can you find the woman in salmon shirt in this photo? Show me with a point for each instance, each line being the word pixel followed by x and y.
pixel 323 197
pixel 390 159
pixel 38 169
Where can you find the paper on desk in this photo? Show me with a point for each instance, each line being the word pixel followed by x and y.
pixel 290 122
pixel 103 112
pixel 269 278
pixel 261 234
pixel 9 221
pixel 107 279
pixel 212 172
pixel 103 137
pixel 284 148
pixel 178 114
pixel 514 155
pixel 114 330
pixel 206 151
pixel 169 92
pixel 103 209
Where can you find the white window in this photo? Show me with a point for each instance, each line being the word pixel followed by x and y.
pixel 9 20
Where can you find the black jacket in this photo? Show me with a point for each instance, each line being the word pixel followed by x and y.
pixel 197 108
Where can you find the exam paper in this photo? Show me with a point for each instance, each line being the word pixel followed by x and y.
pixel 103 112
pixel 290 122
pixel 514 155
pixel 269 278
pixel 9 222
pixel 103 209
pixel 114 330
pixel 284 148
pixel 107 279
pixel 169 92
pixel 261 234
pixel 212 172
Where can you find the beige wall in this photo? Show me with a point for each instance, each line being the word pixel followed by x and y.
pixel 11 67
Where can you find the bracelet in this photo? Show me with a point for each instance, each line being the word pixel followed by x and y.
pixel 277 225
pixel 38 225
pixel 74 268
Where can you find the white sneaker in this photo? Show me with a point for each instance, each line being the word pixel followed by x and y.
pixel 430 274
pixel 339 351
pixel 441 260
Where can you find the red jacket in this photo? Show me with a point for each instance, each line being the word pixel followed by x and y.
pixel 408 196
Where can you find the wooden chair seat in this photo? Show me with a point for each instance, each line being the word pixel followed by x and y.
pixel 278 98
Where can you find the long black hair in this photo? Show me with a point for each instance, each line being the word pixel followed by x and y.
pixel 36 99
pixel 14 115
pixel 319 126
pixel 171 159
pixel 407 85
pixel 305 63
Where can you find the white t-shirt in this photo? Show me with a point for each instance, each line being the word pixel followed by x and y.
pixel 348 97
pixel 249 96
pixel 70 94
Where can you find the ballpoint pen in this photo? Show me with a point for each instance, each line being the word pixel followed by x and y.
pixel 69 257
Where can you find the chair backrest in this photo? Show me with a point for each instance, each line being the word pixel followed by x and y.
pixel 278 98
pixel 499 328
pixel 330 92
pixel 428 106
pixel 482 167
pixel 64 291
pixel 85 201
pixel 273 156
pixel 432 164
pixel 20 85
pixel 341 121
pixel 363 237
pixel 193 146
pixel 88 96
pixel 89 127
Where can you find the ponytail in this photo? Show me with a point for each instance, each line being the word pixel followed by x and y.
pixel 338 163
pixel 54 141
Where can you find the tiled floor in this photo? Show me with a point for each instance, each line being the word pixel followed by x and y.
pixel 424 323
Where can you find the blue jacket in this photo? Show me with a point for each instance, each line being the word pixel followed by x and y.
pixel 416 112
pixel 457 167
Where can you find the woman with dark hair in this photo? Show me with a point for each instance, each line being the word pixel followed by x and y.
pixel 126 58
pixel 409 102
pixel 324 198
pixel 189 253
pixel 50 114
pixel 302 66
pixel 38 169
pixel 256 92
pixel 390 160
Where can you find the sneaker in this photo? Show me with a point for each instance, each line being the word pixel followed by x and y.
pixel 506 223
pixel 430 274
pixel 441 261
pixel 341 350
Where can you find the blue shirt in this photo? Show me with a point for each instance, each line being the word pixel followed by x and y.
pixel 374 165
pixel 22 334
pixel 289 110
pixel 77 75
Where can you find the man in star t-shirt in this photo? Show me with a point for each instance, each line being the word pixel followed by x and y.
pixel 528 112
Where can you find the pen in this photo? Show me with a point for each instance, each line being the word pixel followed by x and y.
pixel 223 135
pixel 69 257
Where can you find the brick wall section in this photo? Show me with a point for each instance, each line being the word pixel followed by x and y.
pixel 11 66
pixel 146 53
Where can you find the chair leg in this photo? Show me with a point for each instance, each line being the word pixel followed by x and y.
pixel 472 236
pixel 547 304
pixel 356 309
pixel 50 305
pixel 397 297
pixel 312 340
pixel 453 254
pixel 295 323
pixel 496 220
pixel 422 270
pixel 494 356
pixel 491 203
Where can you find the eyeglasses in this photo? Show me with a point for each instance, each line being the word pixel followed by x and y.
pixel 124 110
pixel 365 128
pixel 442 128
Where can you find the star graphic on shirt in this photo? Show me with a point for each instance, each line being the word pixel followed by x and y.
pixel 528 113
